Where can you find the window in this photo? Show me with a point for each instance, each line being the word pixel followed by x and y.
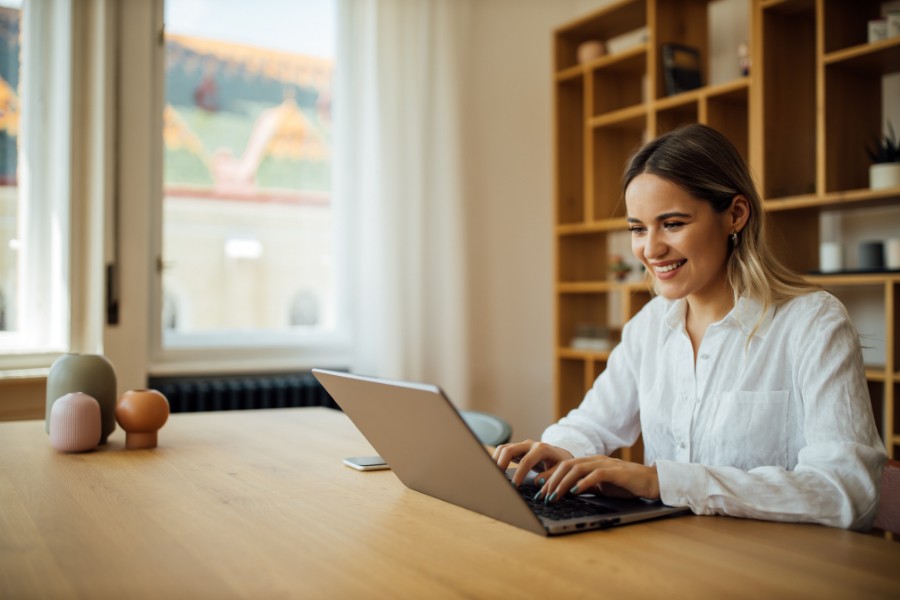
pixel 248 225
pixel 34 209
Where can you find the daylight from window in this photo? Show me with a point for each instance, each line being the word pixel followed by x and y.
pixel 10 239
pixel 247 129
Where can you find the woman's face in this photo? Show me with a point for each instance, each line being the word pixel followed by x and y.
pixel 681 240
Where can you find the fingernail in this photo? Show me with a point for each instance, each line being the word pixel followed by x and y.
pixel 537 496
pixel 574 490
pixel 551 498
pixel 540 482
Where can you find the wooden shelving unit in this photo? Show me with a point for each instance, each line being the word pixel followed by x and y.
pixel 814 91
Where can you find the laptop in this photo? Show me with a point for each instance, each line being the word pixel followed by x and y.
pixel 428 445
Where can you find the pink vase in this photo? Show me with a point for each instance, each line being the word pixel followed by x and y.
pixel 75 423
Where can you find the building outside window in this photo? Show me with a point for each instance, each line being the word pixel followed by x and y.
pixel 248 227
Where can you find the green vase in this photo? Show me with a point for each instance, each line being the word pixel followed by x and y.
pixel 91 374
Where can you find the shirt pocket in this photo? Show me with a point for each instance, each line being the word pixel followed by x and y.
pixel 750 430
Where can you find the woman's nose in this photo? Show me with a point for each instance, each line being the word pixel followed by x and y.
pixel 654 247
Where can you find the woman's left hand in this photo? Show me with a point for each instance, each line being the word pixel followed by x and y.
pixel 608 476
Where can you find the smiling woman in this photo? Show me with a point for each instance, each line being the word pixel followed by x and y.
pixel 747 383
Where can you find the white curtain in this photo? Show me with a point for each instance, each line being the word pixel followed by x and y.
pixel 398 173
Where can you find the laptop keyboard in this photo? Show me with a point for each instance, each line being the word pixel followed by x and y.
pixel 568 507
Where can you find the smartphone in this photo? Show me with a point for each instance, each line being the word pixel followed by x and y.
pixel 366 463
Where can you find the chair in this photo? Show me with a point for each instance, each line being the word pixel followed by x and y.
pixel 888 517
pixel 489 429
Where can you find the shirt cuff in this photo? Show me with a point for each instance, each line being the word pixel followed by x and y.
pixel 683 484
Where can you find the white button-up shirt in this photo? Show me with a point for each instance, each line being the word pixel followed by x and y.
pixel 778 426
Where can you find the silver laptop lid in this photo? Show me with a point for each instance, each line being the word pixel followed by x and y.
pixel 428 445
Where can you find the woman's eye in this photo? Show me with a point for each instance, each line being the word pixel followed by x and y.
pixel 672 225
pixel 635 229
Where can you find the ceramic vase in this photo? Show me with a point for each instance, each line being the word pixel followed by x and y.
pixel 141 413
pixel 884 175
pixel 91 374
pixel 75 423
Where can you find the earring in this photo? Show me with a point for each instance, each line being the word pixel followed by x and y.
pixel 734 239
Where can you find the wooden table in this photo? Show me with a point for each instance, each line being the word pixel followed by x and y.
pixel 257 504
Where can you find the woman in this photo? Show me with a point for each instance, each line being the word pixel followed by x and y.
pixel 747 382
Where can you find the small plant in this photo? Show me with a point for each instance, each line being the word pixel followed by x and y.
pixel 886 149
pixel 619 267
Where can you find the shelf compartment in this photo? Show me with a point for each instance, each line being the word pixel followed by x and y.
pixel 612 147
pixel 577 310
pixel 794 237
pixel 788 79
pixel 570 150
pixel 608 22
pixel 859 93
pixel 581 258
pixel 618 81
pixel 727 110
pixel 682 23
pixel 676 115
pixel 845 24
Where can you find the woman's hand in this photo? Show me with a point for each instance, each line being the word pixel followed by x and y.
pixel 608 476
pixel 530 455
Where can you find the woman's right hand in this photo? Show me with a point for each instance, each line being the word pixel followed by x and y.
pixel 530 455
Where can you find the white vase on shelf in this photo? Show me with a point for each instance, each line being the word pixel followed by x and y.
pixel 884 175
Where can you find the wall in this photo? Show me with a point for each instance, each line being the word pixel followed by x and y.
pixel 509 169
pixel 509 165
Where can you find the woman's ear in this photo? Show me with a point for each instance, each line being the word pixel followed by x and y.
pixel 739 212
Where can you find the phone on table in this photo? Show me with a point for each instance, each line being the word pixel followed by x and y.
pixel 366 463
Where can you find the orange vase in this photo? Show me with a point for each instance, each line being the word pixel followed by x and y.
pixel 141 413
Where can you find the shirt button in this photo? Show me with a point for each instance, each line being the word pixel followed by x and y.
pixel 681 445
pixel 704 356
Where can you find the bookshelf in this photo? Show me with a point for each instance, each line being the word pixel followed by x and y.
pixel 814 91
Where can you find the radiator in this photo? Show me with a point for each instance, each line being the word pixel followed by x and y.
pixel 241 392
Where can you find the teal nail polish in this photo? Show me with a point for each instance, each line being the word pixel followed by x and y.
pixel 574 490
pixel 540 482
pixel 537 496
pixel 551 498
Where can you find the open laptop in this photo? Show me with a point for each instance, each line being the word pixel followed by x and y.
pixel 426 442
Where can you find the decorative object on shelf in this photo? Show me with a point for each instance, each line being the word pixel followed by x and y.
pixel 91 374
pixel 141 413
pixel 871 256
pixel 885 155
pixel 877 30
pixel 75 423
pixel 681 68
pixel 744 59
pixel 830 257
pixel 892 254
pixel 590 337
pixel 590 50
pixel 618 267
pixel 893 23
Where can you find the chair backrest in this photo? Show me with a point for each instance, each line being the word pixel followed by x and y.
pixel 888 517
pixel 490 430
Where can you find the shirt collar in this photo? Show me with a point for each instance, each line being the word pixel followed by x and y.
pixel 746 313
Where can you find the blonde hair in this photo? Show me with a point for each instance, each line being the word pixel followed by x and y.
pixel 702 162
